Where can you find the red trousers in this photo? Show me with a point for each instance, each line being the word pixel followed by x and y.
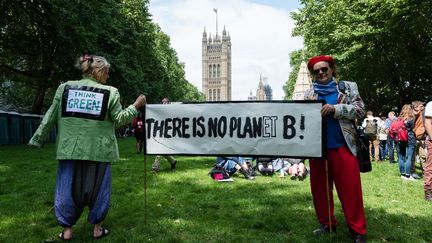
pixel 344 172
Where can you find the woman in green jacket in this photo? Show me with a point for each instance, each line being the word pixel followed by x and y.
pixel 86 112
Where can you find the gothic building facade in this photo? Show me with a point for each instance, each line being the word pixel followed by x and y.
pixel 264 91
pixel 216 66
pixel 303 82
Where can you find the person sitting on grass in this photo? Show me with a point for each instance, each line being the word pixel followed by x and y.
pixel 250 163
pixel 265 165
pixel 234 164
pixel 295 168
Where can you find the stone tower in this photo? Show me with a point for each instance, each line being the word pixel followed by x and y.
pixel 264 90
pixel 216 66
pixel 303 82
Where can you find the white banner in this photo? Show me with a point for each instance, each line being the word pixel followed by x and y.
pixel 288 129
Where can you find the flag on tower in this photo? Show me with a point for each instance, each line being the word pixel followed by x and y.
pixel 215 10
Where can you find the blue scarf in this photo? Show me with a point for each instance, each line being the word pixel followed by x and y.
pixel 329 93
pixel 325 89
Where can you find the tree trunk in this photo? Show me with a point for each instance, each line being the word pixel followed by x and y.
pixel 38 101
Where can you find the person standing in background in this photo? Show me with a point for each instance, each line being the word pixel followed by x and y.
pixel 158 158
pixel 382 136
pixel 391 145
pixel 371 126
pixel 138 126
pixel 406 148
pixel 420 134
pixel 427 176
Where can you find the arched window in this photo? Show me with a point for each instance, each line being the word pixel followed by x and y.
pixel 218 70
pixel 214 94
pixel 214 70
pixel 218 94
pixel 210 71
pixel 210 95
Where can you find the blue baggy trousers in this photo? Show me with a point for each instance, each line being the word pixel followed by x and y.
pixel 82 183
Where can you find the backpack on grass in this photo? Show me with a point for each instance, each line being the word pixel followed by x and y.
pixel 219 173
pixel 398 131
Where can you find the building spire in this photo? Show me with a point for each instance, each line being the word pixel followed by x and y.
pixel 216 12
pixel 260 85
pixel 204 35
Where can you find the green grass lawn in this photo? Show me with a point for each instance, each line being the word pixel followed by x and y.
pixel 187 206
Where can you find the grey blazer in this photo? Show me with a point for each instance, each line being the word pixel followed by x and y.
pixel 349 107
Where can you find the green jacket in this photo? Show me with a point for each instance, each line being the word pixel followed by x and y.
pixel 86 113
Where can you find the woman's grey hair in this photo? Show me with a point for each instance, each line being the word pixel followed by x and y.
pixel 88 64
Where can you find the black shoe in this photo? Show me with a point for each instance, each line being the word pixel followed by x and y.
pixel 173 165
pixel 324 229
pixel 269 172
pixel 246 174
pixel 359 238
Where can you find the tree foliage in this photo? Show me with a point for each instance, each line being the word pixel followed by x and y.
pixel 41 40
pixel 175 86
pixel 383 45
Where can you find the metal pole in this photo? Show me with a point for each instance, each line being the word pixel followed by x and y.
pixel 145 190
pixel 328 196
pixel 145 169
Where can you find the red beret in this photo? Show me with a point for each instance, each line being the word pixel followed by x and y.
pixel 316 59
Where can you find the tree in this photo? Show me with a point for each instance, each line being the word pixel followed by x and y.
pixel 173 83
pixel 385 46
pixel 40 41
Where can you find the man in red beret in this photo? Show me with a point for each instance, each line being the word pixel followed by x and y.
pixel 340 167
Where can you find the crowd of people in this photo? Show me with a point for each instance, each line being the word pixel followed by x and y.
pixel 405 138
pixel 386 144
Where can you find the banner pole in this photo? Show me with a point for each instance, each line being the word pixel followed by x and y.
pixel 144 146
pixel 145 190
pixel 328 196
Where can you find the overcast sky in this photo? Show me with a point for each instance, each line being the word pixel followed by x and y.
pixel 260 33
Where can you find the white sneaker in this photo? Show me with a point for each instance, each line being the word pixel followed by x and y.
pixel 410 178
